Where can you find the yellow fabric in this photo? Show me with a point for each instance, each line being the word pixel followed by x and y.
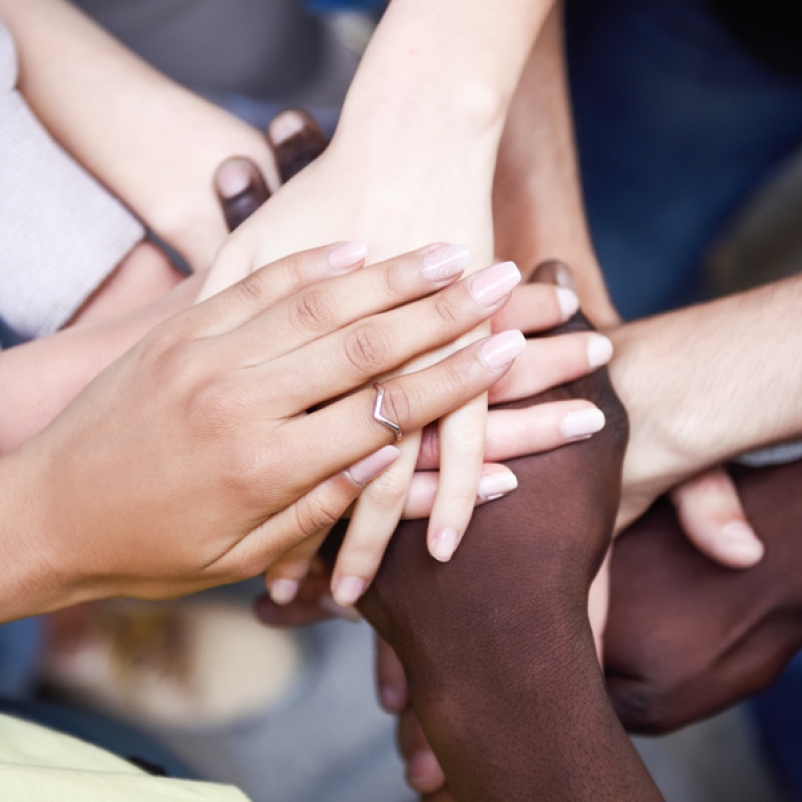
pixel 40 765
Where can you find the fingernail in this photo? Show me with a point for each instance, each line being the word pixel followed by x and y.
pixel 392 701
pixel 445 262
pixel 233 178
pixel 283 591
pixel 502 348
pixel 285 126
pixel 495 283
pixel 347 255
pixel 423 769
pixel 569 302
pixel 497 485
pixel 582 423
pixel 346 613
pixel 348 590
pixel 368 469
pixel 740 535
pixel 564 277
pixel 445 544
pixel 600 350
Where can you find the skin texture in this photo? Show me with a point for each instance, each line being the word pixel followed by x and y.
pixel 687 638
pixel 506 684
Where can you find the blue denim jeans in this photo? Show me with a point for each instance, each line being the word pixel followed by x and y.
pixel 676 127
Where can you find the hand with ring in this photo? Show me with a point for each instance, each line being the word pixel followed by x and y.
pixel 240 428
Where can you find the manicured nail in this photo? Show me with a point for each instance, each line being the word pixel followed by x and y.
pixel 445 544
pixel 233 178
pixel 283 591
pixel 392 701
pixel 497 485
pixel 423 769
pixel 495 283
pixel 569 302
pixel 445 262
pixel 347 255
pixel 348 590
pixel 582 423
pixel 346 613
pixel 600 350
pixel 564 277
pixel 742 537
pixel 368 469
pixel 285 126
pixel 502 348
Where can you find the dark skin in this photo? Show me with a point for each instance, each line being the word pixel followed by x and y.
pixel 505 681
pixel 687 638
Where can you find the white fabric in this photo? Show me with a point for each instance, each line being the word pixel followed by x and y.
pixel 61 233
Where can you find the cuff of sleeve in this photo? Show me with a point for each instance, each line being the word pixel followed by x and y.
pixel 62 232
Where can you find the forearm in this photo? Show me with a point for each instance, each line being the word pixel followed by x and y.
pixel 709 382
pixel 537 198
pixel 128 124
pixel 434 87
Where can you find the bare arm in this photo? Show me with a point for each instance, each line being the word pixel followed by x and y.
pixel 129 125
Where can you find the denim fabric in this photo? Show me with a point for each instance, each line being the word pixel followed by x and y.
pixel 676 126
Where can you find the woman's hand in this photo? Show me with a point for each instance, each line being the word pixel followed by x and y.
pixel 194 460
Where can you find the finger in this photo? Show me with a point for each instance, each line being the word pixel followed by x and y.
pixel 462 435
pixel 350 357
pixel 537 307
pixel 262 289
pixel 313 513
pixel 241 190
pixel 372 524
pixel 296 140
pixel 332 437
pixel 513 433
pixel 423 771
pixel 496 482
pixel 326 307
pixel 712 517
pixel 390 678
pixel 550 361
pixel 284 578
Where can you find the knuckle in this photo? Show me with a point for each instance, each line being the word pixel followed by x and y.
pixel 252 290
pixel 316 512
pixel 394 282
pixel 399 403
pixel 448 310
pixel 388 491
pixel 367 348
pixel 312 311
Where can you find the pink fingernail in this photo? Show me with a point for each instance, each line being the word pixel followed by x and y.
pixel 347 255
pixel 569 302
pixel 368 469
pixel 348 590
pixel 495 283
pixel 283 591
pixel 233 178
pixel 445 262
pixel 445 544
pixel 582 423
pixel 497 485
pixel 600 351
pixel 502 349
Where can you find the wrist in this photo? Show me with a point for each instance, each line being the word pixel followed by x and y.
pixel 35 578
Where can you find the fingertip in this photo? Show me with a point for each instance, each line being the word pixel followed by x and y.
pixel 740 546
pixel 444 545
pixel 424 773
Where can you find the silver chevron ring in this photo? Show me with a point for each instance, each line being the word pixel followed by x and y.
pixel 379 417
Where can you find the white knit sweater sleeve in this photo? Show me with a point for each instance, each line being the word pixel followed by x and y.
pixel 61 232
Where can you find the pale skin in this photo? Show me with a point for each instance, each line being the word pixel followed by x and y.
pixel 203 410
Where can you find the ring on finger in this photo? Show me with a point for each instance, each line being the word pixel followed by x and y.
pixel 379 417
